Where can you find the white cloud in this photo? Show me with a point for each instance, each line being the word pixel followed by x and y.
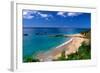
pixel 66 14
pixel 62 13
pixel 43 15
pixel 28 17
pixel 28 14
pixel 73 14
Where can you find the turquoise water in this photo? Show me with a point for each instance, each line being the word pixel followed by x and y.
pixel 36 40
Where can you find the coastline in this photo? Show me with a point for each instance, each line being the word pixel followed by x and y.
pixel 65 43
pixel 47 56
pixel 71 46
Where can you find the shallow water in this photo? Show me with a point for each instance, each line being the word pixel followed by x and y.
pixel 37 40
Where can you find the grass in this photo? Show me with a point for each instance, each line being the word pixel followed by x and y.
pixel 63 56
pixel 30 59
pixel 83 53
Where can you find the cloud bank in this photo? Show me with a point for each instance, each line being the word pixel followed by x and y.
pixel 29 14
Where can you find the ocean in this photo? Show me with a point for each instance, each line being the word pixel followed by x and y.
pixel 37 40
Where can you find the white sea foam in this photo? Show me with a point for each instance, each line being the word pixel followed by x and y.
pixel 64 43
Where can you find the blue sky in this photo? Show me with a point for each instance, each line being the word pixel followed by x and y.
pixel 33 18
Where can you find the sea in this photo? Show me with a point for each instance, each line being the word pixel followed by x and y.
pixel 37 40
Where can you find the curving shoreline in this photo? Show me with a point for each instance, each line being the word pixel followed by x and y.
pixel 64 43
pixel 70 47
pixel 49 55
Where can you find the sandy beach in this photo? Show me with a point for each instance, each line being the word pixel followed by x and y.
pixel 70 47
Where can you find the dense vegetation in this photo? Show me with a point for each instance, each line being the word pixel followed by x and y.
pixel 87 34
pixel 63 56
pixel 84 51
pixel 30 59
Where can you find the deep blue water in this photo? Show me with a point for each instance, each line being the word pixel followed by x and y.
pixel 37 40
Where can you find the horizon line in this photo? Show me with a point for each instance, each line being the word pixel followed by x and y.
pixel 57 27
